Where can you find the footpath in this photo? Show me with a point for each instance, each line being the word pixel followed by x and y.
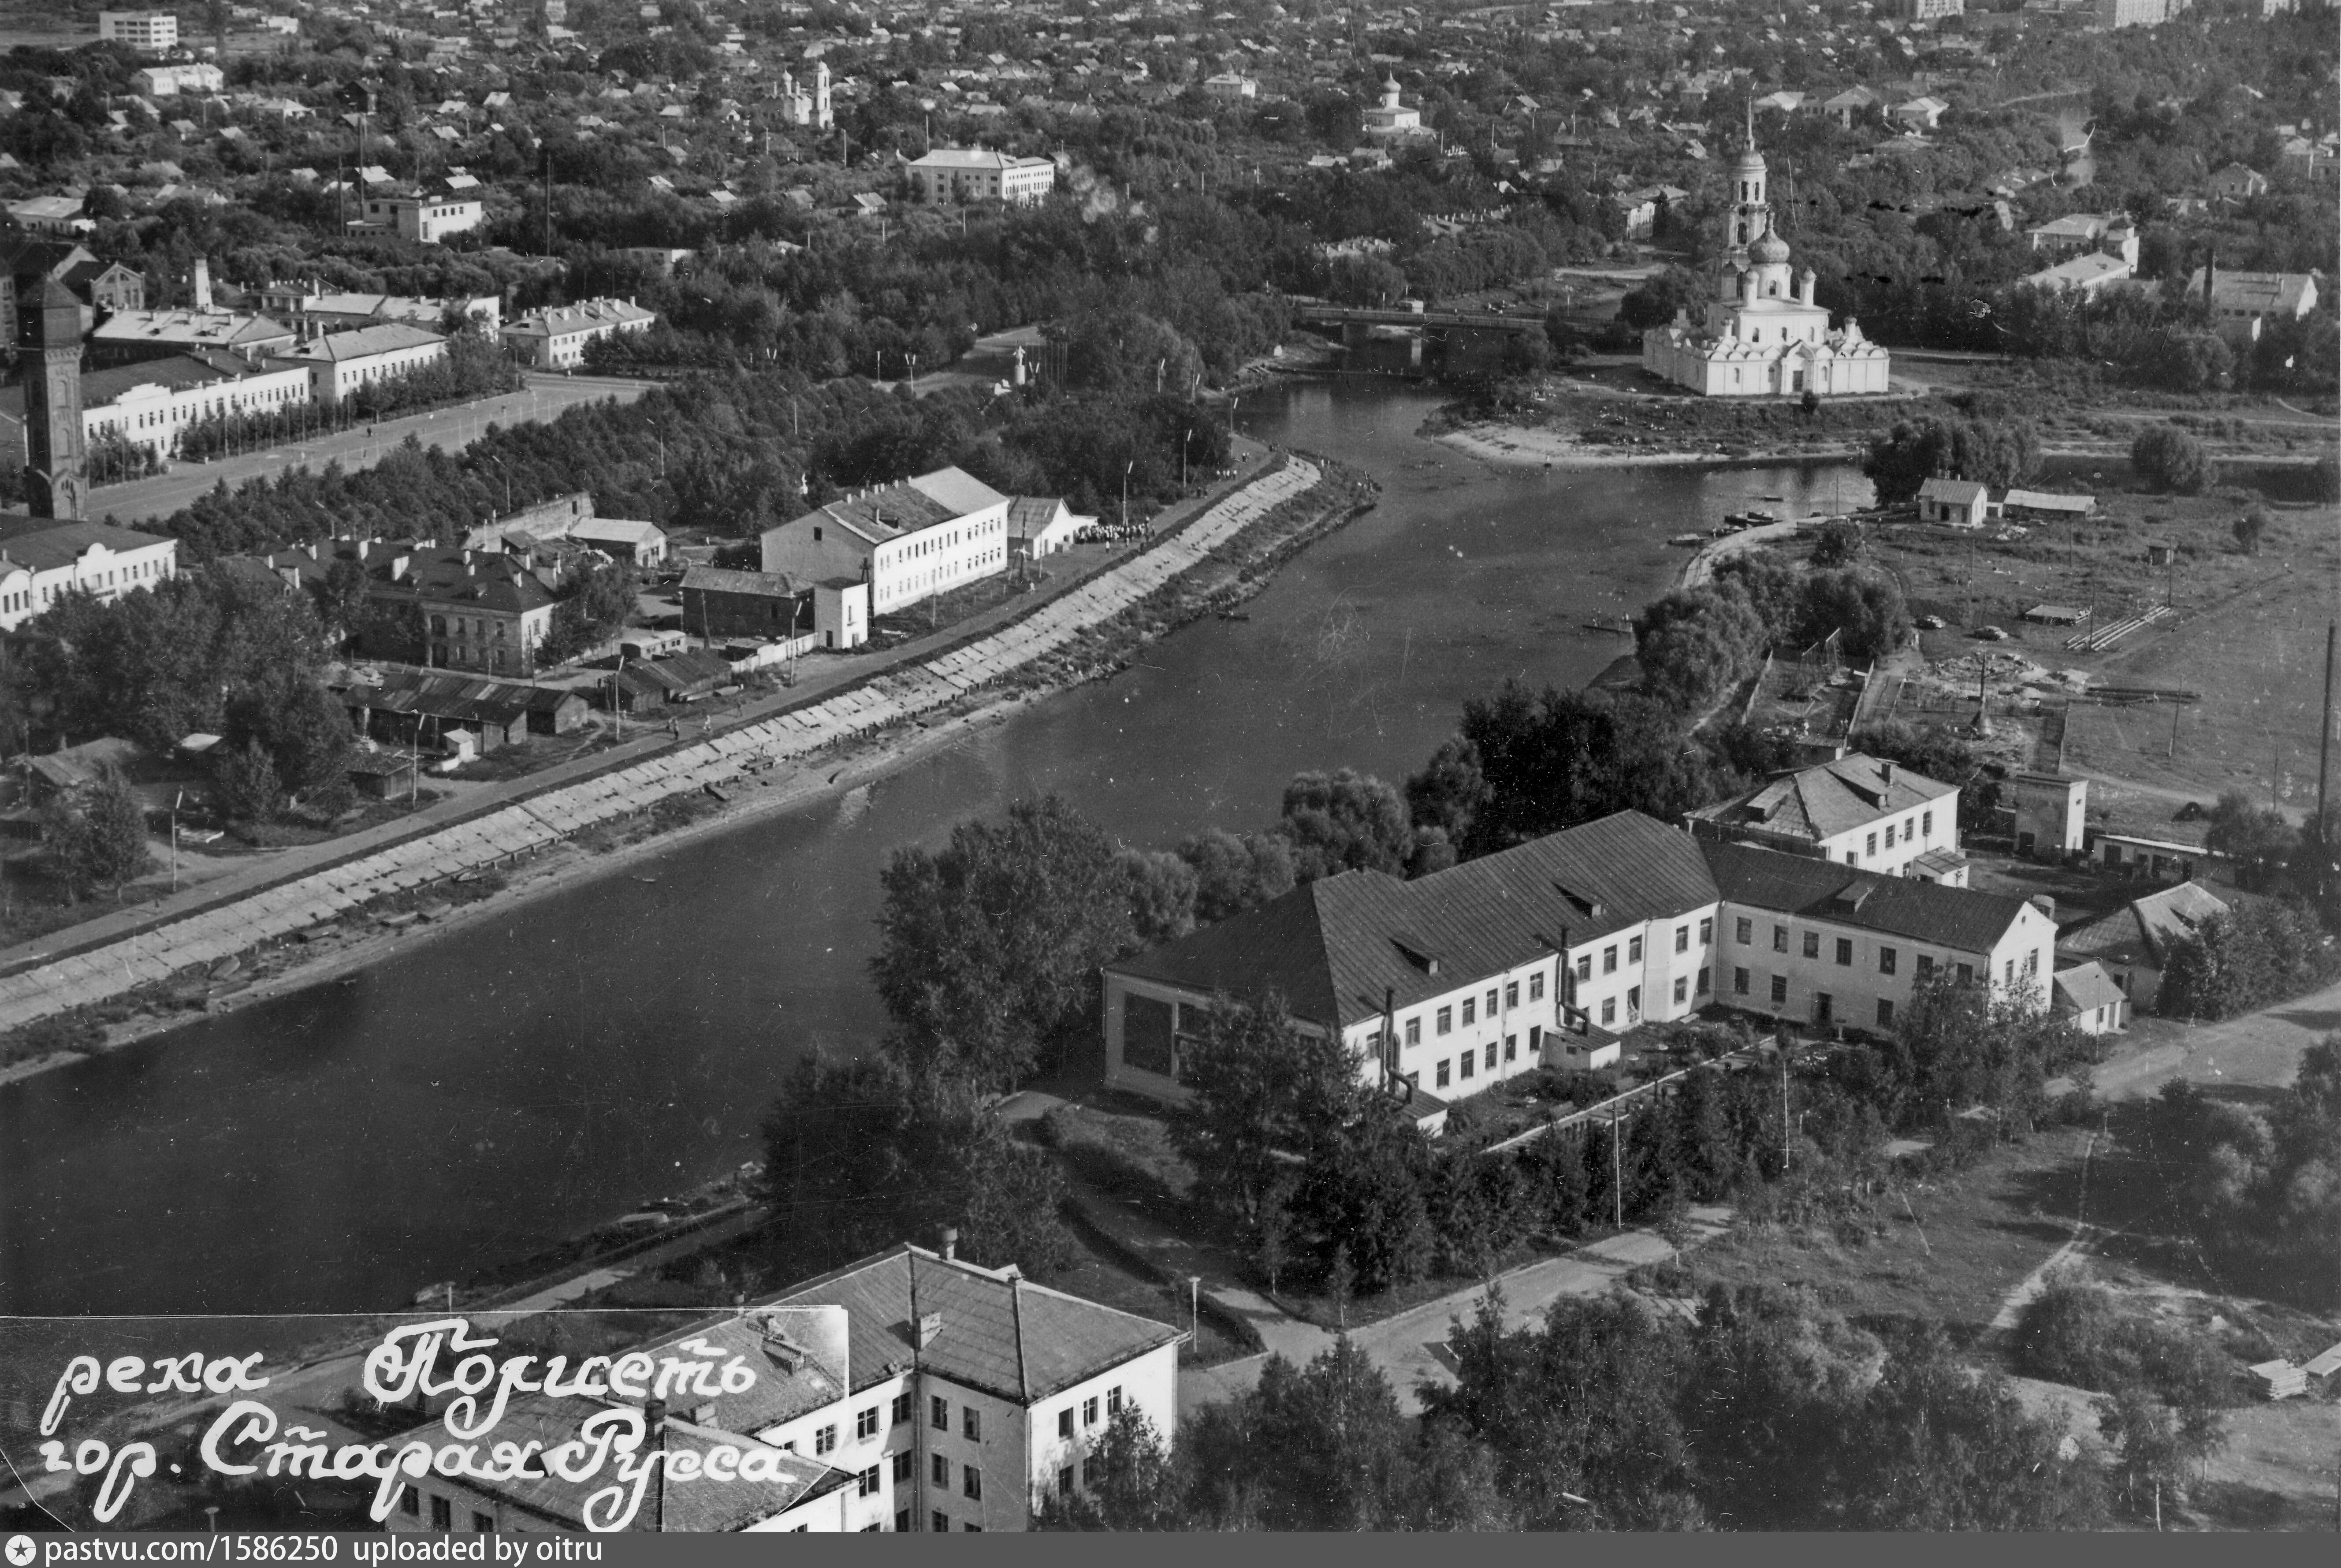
pixel 154 943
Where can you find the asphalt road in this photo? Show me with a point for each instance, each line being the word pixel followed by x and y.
pixel 453 428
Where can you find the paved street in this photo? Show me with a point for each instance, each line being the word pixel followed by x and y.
pixel 93 973
pixel 1412 1347
pixel 453 428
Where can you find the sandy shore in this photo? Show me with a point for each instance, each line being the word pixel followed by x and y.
pixel 1526 447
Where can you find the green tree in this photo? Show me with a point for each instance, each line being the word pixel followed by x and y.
pixel 1865 607
pixel 1233 874
pixel 1695 644
pixel 2261 838
pixel 1134 1482
pixel 1161 895
pixel 594 605
pixel 1345 821
pixel 2251 528
pixel 989 950
pixel 1264 1091
pixel 246 787
pixel 2167 458
pixel 1365 1193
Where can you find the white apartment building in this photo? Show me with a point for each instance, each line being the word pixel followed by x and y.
pixel 150 401
pixel 909 1392
pixel 1856 810
pixel 907 541
pixel 979 174
pixel 41 561
pixel 555 337
pixel 1545 953
pixel 429 219
pixel 338 364
pixel 149 32
pixel 170 81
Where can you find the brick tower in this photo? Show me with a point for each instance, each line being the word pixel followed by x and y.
pixel 48 346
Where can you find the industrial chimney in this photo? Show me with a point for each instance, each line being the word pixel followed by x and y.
pixel 202 283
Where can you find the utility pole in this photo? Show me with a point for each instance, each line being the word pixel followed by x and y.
pixel 1785 1145
pixel 2324 783
pixel 1617 1171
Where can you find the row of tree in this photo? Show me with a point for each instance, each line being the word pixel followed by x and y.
pixel 1767 1412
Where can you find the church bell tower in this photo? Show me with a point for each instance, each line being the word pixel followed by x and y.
pixel 48 347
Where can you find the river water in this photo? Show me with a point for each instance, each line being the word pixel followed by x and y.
pixel 479 1097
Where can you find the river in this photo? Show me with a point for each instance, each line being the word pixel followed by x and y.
pixel 475 1098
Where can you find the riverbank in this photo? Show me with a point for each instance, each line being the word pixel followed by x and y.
pixel 1224 554
pixel 1493 441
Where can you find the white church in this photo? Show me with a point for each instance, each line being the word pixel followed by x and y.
pixel 1762 334
pixel 807 106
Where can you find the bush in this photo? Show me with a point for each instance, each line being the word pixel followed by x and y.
pixel 2080 1333
pixel 2169 459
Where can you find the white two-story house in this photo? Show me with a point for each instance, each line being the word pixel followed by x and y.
pixel 1856 810
pixel 907 541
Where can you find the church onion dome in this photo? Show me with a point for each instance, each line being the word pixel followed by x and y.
pixel 1771 249
pixel 1749 159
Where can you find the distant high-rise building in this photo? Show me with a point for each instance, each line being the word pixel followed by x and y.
pixel 1930 10
pixel 2138 13
pixel 151 32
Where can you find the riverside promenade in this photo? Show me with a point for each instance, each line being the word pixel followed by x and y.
pixel 98 972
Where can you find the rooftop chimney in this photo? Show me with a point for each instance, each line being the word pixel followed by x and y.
pixel 930 1328
pixel 654 1417
pixel 1886 772
pixel 2044 905
pixel 950 1242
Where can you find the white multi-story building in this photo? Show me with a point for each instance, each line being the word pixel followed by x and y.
pixel 41 562
pixel 148 32
pixel 909 1391
pixel 1543 955
pixel 425 217
pixel 1856 810
pixel 340 362
pixel 555 337
pixel 149 403
pixel 979 174
pixel 922 536
pixel 170 81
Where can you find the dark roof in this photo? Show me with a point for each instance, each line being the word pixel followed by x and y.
pixel 1960 918
pixel 45 545
pixel 2141 930
pixel 488 579
pixel 1332 947
pixel 723 580
pixel 1827 799
pixel 462 698
pixel 1000 1333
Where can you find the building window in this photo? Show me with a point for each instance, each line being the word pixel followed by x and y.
pixel 865 1423
pixel 484 1523
pixel 1682 939
pixel 1089 1411
pixel 1707 931
pixel 1869 844
pixel 939 1413
pixel 1925 968
pixel 1739 983
pixel 902 1463
pixel 1633 1002
pixel 2011 972
pixel 1634 950
pixel 1966 974
pixel 971 1481
pixel 1491 1001
pixel 1812 944
pixel 1113 1401
pixel 824 1439
pixel 1885 960
pixel 940 1524
pixel 1513 994
pixel 1065 1422
pixel 1585 968
pixel 1779 989
pixel 1845 950
pixel 443 1513
pixel 1609 960
pixel 1885 1014
pixel 1470 1009
pixel 1468 1062
pixel 971 1424
pixel 1442 1076
pixel 1682 989
pixel 1823 1006
pixel 410 1501
pixel 1414 1031
pixel 1609 1010
pixel 940 1468
pixel 1889 835
pixel 868 1482
pixel 1512 1047
pixel 1088 1469
pixel 902 1411
pixel 1926 823
pixel 1536 986
pixel 1779 939
pixel 1447 1021
pixel 1065 1482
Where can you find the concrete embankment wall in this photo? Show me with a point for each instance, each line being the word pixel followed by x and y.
pixel 206 938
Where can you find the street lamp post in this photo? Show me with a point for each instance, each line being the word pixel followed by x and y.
pixel 1125 493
